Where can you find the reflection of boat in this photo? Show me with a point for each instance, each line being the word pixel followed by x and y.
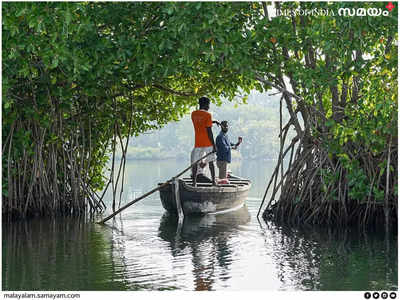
pixel 205 198
pixel 205 240
pixel 198 228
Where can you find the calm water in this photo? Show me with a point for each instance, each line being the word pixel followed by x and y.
pixel 145 249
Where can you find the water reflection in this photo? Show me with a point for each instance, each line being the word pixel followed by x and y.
pixel 58 254
pixel 333 259
pixel 208 240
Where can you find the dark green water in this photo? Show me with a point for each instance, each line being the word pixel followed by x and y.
pixel 145 249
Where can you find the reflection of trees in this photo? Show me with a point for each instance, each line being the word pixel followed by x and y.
pixel 58 254
pixel 117 248
pixel 333 259
pixel 369 259
pixel 207 239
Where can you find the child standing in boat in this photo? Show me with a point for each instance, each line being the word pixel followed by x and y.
pixel 224 147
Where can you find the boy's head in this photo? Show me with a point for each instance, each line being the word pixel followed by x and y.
pixel 204 103
pixel 224 126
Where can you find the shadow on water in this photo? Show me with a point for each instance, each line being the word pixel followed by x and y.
pixel 331 259
pixel 207 240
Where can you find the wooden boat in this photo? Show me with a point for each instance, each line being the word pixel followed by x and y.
pixel 206 198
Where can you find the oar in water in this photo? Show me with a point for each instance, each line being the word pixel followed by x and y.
pixel 152 191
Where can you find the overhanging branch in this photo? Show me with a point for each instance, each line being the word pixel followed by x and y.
pixel 282 90
pixel 171 91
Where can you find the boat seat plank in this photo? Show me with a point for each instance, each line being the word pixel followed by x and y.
pixel 230 181
pixel 219 185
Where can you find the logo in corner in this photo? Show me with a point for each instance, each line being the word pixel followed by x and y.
pixel 390 6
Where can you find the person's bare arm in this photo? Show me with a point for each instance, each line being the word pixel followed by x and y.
pixel 234 146
pixel 211 137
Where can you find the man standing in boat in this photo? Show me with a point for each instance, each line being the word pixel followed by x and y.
pixel 204 139
pixel 224 147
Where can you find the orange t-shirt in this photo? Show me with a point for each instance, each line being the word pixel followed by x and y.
pixel 201 120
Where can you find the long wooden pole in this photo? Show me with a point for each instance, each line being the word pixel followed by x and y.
pixel 152 191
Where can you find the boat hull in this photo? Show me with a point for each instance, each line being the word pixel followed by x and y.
pixel 205 198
